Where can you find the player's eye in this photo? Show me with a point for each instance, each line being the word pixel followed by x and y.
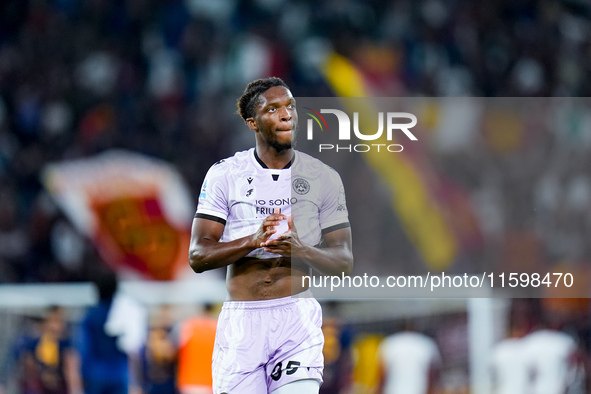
pixel 272 109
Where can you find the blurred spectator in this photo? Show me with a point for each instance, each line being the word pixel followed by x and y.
pixel 538 357
pixel 554 363
pixel 411 363
pixel 105 365
pixel 159 356
pixel 196 337
pixel 338 363
pixel 366 364
pixel 51 364
pixel 508 367
pixel 13 362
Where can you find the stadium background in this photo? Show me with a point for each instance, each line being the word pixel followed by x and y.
pixel 160 78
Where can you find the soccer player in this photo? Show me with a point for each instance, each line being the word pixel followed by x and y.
pixel 410 363
pixel 269 337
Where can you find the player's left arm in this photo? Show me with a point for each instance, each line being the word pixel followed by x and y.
pixel 334 259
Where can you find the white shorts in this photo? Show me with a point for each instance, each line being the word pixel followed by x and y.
pixel 263 345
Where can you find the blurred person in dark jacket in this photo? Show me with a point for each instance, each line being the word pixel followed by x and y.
pixel 159 355
pixel 105 367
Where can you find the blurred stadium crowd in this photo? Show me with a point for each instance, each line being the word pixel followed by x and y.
pixel 161 78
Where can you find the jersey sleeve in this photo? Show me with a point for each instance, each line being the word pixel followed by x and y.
pixel 213 198
pixel 333 213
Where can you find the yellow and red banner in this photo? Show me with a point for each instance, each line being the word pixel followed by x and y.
pixel 434 212
pixel 136 209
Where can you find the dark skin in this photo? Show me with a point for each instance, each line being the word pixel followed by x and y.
pixel 252 279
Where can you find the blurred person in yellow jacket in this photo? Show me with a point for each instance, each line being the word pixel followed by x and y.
pixel 51 364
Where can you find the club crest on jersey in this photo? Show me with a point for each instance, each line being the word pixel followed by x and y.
pixel 301 186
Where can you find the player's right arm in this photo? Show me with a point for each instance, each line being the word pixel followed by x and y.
pixel 206 252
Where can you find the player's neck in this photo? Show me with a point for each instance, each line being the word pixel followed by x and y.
pixel 274 159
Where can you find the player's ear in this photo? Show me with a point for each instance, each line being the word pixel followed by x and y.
pixel 250 122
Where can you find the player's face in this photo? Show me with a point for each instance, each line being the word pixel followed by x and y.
pixel 275 118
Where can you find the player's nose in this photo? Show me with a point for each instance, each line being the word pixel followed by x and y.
pixel 286 114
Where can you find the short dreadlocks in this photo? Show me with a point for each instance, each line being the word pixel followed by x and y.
pixel 250 98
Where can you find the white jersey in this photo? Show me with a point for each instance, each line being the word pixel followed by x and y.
pixel 551 357
pixel 408 358
pixel 241 191
pixel 509 367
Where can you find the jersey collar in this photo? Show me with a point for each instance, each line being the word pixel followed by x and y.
pixel 258 159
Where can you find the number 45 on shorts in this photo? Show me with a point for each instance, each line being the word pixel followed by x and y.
pixel 290 369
